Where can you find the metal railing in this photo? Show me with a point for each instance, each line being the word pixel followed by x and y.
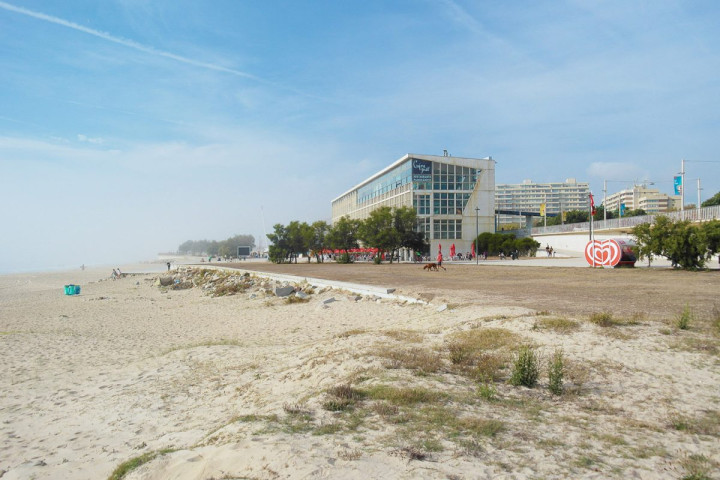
pixel 695 215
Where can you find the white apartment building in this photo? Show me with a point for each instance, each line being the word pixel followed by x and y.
pixel 528 197
pixel 453 196
pixel 641 197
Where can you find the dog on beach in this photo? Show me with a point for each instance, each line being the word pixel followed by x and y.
pixel 433 266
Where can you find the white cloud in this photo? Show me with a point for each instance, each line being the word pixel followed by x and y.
pixel 85 138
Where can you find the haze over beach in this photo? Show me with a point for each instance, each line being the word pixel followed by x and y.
pixel 129 127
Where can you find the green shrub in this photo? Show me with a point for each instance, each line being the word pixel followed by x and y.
pixel 487 391
pixel 525 369
pixel 684 319
pixel 555 372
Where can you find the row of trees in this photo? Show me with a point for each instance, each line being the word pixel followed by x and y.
pixel 687 245
pixel 386 230
pixel 494 243
pixel 580 216
pixel 223 248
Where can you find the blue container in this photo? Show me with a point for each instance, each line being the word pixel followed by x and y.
pixel 72 289
pixel 76 289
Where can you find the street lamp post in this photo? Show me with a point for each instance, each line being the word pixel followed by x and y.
pixel 682 187
pixel 605 200
pixel 477 232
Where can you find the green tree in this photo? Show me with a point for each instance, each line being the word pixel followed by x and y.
pixel 577 216
pixel 681 242
pixel 600 213
pixel 299 236
pixel 318 241
pixel 638 212
pixel 494 243
pixel 405 223
pixel 377 231
pixel 279 251
pixel 343 235
pixel 646 243
pixel 527 246
pixel 712 201
pixel 571 216
pixel 712 234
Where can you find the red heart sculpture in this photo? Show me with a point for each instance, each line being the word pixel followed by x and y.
pixel 604 252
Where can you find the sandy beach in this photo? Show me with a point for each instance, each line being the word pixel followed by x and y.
pixel 214 376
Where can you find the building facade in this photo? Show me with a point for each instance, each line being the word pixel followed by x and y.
pixel 528 197
pixel 642 197
pixel 453 197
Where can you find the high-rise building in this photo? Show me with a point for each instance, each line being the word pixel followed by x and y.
pixel 453 197
pixel 529 197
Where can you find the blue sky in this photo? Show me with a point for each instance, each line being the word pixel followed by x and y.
pixel 128 126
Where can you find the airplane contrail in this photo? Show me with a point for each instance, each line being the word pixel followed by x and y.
pixel 127 43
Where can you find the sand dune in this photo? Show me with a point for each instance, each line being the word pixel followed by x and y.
pixel 244 386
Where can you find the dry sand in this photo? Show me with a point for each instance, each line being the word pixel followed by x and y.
pixel 238 386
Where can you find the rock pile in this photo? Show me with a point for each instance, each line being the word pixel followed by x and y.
pixel 219 283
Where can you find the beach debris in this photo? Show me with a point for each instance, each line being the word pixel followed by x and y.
pixel 164 281
pixel 284 291
pixel 442 307
pixel 302 295
pixel 329 300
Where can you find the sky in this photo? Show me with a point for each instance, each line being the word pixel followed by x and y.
pixel 128 127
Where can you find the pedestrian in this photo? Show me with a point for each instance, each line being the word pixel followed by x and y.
pixel 168 265
pixel 439 259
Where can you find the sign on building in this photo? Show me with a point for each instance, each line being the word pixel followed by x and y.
pixel 421 170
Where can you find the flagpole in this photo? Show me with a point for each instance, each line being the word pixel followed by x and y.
pixel 592 238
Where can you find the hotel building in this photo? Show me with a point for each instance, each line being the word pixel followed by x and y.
pixel 453 197
pixel 528 196
pixel 641 197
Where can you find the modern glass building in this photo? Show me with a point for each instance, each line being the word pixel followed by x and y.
pixel 454 197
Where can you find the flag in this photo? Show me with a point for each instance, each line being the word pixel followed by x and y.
pixel 677 182
pixel 622 209
pixel 593 211
pixel 542 209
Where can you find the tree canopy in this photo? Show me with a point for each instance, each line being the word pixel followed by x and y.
pixel 687 245
pixel 223 248
pixel 385 229
pixel 712 201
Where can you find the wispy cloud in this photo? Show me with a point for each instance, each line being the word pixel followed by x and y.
pixel 95 140
pixel 127 43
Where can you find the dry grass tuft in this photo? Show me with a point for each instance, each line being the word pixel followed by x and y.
pixel 422 360
pixel 296 409
pixel 411 453
pixel 708 423
pixel 557 324
pixel 354 331
pixel 485 339
pixel 292 299
pixel 410 336
pixel 489 367
pixel 404 396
